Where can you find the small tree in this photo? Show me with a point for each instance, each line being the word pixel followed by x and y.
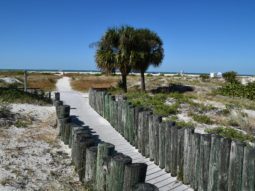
pixel 204 77
pixel 148 51
pixel 114 52
pixel 230 77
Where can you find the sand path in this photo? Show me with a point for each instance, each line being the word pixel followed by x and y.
pixel 80 107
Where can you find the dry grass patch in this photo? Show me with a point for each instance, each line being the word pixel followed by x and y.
pixel 85 82
pixel 44 81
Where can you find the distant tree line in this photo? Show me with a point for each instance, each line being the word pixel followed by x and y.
pixel 129 49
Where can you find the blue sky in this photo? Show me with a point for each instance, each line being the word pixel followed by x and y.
pixel 198 35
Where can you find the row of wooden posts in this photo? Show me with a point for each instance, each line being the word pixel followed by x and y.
pixel 96 162
pixel 205 161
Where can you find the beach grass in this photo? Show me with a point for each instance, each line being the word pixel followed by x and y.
pixel 43 81
pixel 83 82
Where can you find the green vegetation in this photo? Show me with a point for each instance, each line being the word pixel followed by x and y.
pixel 231 133
pixel 230 77
pixel 18 96
pixel 156 103
pixel 204 77
pixel 184 124
pixel 238 90
pixel 201 118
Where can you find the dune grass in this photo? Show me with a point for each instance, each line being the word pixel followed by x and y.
pixel 43 81
pixel 84 82
pixel 231 134
pixel 18 96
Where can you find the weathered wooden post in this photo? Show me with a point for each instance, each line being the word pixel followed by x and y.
pixel 134 173
pixel 79 136
pixel 248 178
pixel 91 161
pixel 63 111
pixel 235 166
pixel 83 144
pixel 108 106
pixel 57 104
pixel 49 95
pixel 168 149
pixel 74 128
pixel 174 149
pixel 132 134
pixel 116 122
pixel 145 133
pixel 57 96
pixel 145 187
pixel 66 132
pixel 186 155
pixel 214 167
pixel 196 164
pixel 126 125
pixel 140 131
pixel 180 152
pixel 105 150
pixel 122 116
pixel 205 148
pixel 162 129
pixel 137 110
pixel 25 80
pixel 225 146
pixel 112 117
pixel 151 137
pixel 154 121
pixel 117 168
pixel 118 110
pixel 63 114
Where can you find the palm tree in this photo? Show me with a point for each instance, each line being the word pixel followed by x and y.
pixel 114 51
pixel 148 51
pixel 105 56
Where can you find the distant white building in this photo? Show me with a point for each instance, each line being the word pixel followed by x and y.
pixel 215 75
pixel 212 75
pixel 219 74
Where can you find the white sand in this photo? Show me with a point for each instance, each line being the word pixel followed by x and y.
pixel 32 157
pixel 10 80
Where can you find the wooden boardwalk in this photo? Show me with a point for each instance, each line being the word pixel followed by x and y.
pixel 81 109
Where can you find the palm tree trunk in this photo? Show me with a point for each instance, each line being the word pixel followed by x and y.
pixel 142 81
pixel 124 82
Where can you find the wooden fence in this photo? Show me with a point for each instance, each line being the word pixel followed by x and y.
pixel 205 161
pixel 96 162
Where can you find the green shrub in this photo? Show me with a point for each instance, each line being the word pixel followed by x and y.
pixel 184 124
pixel 230 77
pixel 204 77
pixel 18 96
pixel 201 118
pixel 156 102
pixel 238 90
pixel 231 134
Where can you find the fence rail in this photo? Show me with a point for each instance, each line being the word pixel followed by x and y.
pixel 205 161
